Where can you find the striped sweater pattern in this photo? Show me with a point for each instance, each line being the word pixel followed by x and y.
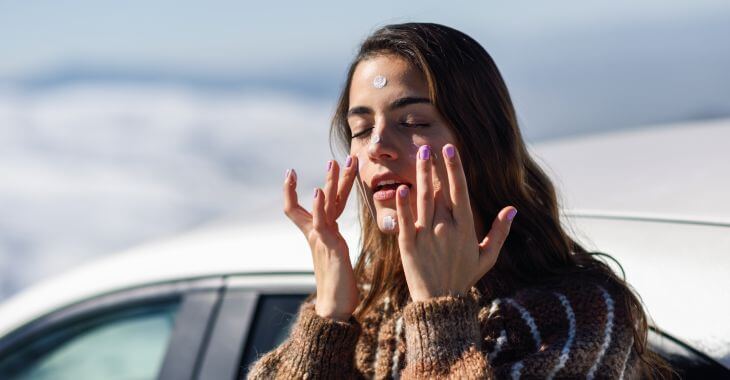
pixel 567 331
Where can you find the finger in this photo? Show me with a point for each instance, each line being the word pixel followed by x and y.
pixel 492 244
pixel 406 229
pixel 424 201
pixel 330 189
pixel 319 218
pixel 442 197
pixel 458 189
pixel 348 178
pixel 301 217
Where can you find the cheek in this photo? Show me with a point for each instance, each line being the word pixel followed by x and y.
pixel 435 140
pixel 360 152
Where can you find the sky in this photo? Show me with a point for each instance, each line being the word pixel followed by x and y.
pixel 235 36
pixel 585 60
pixel 124 122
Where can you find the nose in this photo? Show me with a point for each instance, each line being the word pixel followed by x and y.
pixel 383 144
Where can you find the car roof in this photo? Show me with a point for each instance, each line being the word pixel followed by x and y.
pixel 678 171
pixel 218 250
pixel 638 179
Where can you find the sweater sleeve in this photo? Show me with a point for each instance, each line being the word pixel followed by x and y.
pixel 443 339
pixel 317 348
pixel 541 334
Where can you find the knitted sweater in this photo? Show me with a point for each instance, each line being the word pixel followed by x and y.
pixel 566 331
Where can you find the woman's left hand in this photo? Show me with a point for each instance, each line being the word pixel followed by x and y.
pixel 439 249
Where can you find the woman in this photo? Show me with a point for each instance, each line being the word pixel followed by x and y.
pixel 440 289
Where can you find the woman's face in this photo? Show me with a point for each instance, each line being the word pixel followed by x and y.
pixel 390 117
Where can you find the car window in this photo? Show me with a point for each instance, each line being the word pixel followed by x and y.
pixel 128 344
pixel 274 317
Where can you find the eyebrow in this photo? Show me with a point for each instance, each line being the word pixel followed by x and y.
pixel 398 103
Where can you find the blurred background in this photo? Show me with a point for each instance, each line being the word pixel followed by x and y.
pixel 124 122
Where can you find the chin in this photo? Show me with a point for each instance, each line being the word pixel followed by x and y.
pixel 387 220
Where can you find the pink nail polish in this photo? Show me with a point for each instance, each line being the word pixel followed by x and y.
pixel 450 152
pixel 425 152
pixel 511 214
pixel 348 161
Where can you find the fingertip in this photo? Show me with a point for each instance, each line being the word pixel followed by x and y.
pixel 424 152
pixel 403 191
pixel 320 197
pixel 449 151
pixel 333 169
pixel 511 214
pixel 290 176
pixel 352 166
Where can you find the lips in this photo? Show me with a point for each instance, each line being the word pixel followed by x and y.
pixel 385 185
pixel 392 186
pixel 387 181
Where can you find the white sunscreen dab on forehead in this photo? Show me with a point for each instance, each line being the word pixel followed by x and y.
pixel 379 81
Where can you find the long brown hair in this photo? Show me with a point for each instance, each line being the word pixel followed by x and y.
pixel 468 90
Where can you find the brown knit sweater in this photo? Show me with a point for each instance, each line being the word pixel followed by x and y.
pixel 566 331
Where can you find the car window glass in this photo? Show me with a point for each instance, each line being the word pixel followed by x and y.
pixel 272 322
pixel 129 344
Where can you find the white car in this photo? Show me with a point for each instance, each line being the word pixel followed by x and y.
pixel 206 304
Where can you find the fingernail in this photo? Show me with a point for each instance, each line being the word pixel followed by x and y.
pixel 329 165
pixel 290 173
pixel 425 152
pixel 403 191
pixel 450 151
pixel 348 161
pixel 511 214
pixel 315 193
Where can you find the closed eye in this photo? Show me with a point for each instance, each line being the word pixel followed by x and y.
pixel 415 125
pixel 362 133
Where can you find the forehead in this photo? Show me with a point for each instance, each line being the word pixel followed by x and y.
pixel 403 79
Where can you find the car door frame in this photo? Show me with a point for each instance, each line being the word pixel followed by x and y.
pixel 235 316
pixel 198 300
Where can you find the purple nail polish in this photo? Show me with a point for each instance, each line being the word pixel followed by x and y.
pixel 315 193
pixel 286 176
pixel 450 152
pixel 329 165
pixel 403 191
pixel 425 152
pixel 511 214
pixel 348 161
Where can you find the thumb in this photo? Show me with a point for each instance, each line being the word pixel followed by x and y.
pixel 491 246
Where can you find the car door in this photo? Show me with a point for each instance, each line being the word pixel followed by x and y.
pixel 254 317
pixel 149 332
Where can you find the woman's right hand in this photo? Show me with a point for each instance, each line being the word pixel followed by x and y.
pixel 337 294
